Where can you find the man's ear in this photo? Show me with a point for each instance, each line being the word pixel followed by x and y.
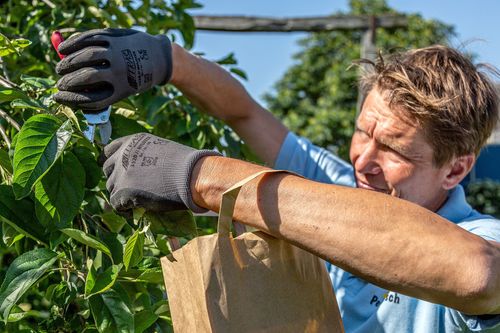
pixel 458 168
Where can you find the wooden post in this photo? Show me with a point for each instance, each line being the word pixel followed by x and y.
pixel 368 52
pixel 308 24
pixel 368 24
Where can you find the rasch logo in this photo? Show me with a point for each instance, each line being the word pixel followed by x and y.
pixel 387 297
pixel 131 68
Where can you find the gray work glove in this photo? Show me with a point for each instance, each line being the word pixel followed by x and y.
pixel 104 66
pixel 146 171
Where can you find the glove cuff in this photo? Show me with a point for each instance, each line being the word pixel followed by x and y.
pixel 166 48
pixel 185 189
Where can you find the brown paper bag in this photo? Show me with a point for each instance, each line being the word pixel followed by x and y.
pixel 251 283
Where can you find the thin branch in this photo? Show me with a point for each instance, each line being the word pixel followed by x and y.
pixel 49 3
pixel 4 69
pixel 7 83
pixel 5 136
pixel 11 121
pixel 68 30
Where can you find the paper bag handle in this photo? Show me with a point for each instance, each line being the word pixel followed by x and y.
pixel 229 200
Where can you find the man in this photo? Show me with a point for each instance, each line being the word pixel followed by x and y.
pixel 396 265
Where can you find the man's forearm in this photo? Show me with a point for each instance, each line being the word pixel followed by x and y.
pixel 213 90
pixel 387 241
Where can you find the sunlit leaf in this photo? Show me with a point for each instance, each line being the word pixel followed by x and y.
pixel 10 94
pixel 133 249
pixel 100 282
pixel 88 240
pixel 40 142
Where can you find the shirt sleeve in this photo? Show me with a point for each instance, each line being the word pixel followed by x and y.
pixel 299 155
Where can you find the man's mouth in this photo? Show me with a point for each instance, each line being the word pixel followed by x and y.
pixel 366 186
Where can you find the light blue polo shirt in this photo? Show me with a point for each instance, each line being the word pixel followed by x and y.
pixel 365 307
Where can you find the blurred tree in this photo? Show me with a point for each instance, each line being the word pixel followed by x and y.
pixel 316 98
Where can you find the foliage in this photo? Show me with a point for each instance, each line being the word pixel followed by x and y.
pixel 69 263
pixel 485 197
pixel 317 96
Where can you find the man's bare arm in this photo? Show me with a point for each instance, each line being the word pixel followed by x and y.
pixel 216 92
pixel 387 241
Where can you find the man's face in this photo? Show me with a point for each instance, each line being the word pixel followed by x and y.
pixel 390 155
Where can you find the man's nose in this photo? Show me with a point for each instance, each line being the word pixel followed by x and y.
pixel 368 161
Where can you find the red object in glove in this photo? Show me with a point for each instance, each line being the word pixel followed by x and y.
pixel 57 39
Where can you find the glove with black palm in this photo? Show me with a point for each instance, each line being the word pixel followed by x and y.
pixel 146 171
pixel 104 66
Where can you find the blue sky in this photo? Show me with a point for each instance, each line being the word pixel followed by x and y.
pixel 266 56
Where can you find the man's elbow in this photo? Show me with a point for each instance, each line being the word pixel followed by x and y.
pixel 482 292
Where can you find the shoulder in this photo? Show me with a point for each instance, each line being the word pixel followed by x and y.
pixel 484 226
pixel 303 157
pixel 460 212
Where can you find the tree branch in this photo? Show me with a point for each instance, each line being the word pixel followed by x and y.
pixel 10 120
pixel 49 3
pixel 4 135
pixel 7 83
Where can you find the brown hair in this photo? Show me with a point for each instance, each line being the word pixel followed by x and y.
pixel 443 92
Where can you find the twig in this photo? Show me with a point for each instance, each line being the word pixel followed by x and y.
pixel 67 30
pixel 4 135
pixel 11 121
pixel 49 3
pixel 4 69
pixel 7 83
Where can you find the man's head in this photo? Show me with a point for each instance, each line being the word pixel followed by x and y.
pixel 425 116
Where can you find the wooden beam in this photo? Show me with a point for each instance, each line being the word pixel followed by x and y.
pixel 274 24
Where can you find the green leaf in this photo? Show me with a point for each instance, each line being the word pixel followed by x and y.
pixel 100 282
pixel 56 237
pixel 17 314
pixel 133 249
pixel 20 215
pixel 8 47
pixel 21 43
pixel 40 142
pixel 88 240
pixel 93 173
pixel 227 60
pixel 5 162
pixel 113 221
pixel 187 30
pixel 10 235
pixel 144 319
pixel 38 82
pixel 162 244
pixel 125 104
pixel 176 223
pixel 111 313
pixel 27 104
pixel 59 193
pixel 10 94
pixel 148 275
pixel 24 271
pixel 115 243
pixel 123 126
pixel 239 72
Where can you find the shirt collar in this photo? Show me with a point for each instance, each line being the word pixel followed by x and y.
pixel 456 208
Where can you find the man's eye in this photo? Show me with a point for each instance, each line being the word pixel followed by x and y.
pixel 361 132
pixel 400 154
